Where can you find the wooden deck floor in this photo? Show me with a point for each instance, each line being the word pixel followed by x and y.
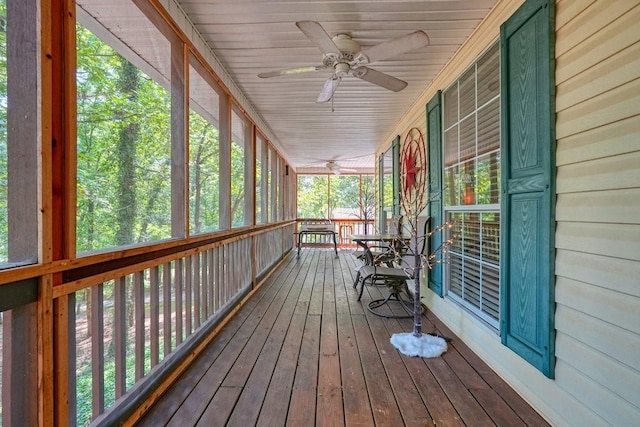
pixel 304 352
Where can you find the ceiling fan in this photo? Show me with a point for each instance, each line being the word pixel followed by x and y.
pixel 343 56
pixel 334 167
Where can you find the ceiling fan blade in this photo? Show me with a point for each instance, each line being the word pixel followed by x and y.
pixel 318 36
pixel 393 47
pixel 298 70
pixel 381 79
pixel 328 89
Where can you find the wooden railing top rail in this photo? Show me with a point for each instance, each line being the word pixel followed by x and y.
pixel 90 264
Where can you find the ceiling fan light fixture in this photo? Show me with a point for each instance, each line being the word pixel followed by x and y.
pixel 342 69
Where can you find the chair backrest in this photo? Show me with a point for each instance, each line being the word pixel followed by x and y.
pixel 397 225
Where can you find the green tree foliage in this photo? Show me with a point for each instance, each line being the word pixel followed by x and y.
pixel 237 184
pixel 204 150
pixel 344 196
pixel 123 138
pixel 313 196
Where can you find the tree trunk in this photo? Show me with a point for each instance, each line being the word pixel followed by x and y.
pixel 197 180
pixel 128 84
pixel 153 197
pixel 126 152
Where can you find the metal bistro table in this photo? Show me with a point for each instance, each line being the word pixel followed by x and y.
pixel 395 278
pixel 362 240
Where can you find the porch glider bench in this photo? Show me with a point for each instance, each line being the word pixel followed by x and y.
pixel 317 228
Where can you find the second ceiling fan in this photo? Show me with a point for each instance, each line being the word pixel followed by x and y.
pixel 342 54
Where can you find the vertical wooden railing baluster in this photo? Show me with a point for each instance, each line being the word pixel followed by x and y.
pixel 73 358
pixel 196 284
pixel 225 274
pixel 211 282
pixel 216 278
pixel 204 285
pixel 231 277
pixel 179 281
pixel 138 301
pixel 239 272
pixel 166 307
pixel 97 350
pixel 120 334
pixel 154 314
pixel 188 296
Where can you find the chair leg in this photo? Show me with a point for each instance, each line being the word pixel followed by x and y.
pixel 364 279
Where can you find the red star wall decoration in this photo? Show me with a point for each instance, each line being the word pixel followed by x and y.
pixel 413 171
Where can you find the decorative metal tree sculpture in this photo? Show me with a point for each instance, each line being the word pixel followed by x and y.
pixel 414 198
pixel 413 172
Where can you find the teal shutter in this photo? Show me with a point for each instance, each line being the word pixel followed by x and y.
pixel 395 152
pixel 434 158
pixel 527 250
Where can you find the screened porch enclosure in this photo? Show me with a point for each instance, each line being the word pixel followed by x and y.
pixel 153 186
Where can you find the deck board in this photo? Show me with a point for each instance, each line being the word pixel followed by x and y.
pixel 303 351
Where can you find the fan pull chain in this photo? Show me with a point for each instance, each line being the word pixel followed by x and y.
pixel 332 110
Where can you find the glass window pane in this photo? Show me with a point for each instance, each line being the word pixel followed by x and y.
pixel 451 153
pixel 467 93
pixel 489 75
pixel 204 146
pixel 488 180
pixel 468 138
pixel 123 129
pixel 489 127
pixel 451 186
pixel 468 183
pixel 451 106
pixel 491 237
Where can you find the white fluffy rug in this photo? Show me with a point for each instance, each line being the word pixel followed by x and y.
pixel 423 346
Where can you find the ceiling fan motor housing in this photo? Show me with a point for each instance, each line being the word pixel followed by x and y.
pixel 346 44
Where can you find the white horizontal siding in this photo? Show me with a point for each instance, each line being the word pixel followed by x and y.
pixel 598 205
pixel 611 372
pixel 617 206
pixel 597 143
